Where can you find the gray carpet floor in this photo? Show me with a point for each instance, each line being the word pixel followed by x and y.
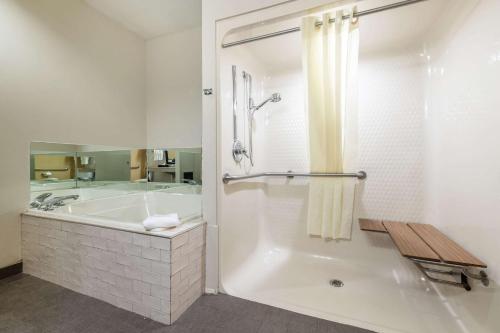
pixel 31 305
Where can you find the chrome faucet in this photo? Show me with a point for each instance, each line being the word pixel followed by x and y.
pixel 39 200
pixel 57 202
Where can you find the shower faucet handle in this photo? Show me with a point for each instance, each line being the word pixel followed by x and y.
pixel 239 151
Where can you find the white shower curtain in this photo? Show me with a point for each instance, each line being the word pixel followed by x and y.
pixel 330 60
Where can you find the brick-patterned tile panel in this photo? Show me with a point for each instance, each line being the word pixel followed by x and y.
pixel 156 277
pixel 187 270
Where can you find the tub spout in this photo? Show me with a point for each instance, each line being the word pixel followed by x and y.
pixel 39 200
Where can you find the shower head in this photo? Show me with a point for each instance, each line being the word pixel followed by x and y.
pixel 275 98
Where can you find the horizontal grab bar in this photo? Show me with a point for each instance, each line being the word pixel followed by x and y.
pixel 61 169
pixel 226 178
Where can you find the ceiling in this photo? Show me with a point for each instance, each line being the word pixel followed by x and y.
pixel 151 18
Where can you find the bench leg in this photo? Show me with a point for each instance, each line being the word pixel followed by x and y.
pixel 482 276
pixel 464 283
pixel 465 272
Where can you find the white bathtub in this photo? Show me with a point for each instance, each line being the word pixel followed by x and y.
pixel 127 211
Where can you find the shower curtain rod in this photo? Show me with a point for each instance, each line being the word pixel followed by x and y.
pixel 345 17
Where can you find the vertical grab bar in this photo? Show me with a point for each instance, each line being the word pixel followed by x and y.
pixel 238 149
pixel 235 106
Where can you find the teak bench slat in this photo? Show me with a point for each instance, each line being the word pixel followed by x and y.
pixel 408 242
pixel 448 250
pixel 371 225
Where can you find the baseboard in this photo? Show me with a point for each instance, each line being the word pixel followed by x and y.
pixel 11 270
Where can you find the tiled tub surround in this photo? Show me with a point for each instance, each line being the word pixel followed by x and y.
pixel 156 277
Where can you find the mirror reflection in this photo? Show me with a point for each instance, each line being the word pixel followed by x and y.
pixel 109 171
pixel 175 167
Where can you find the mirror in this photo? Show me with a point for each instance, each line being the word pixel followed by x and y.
pixel 118 170
pixel 175 165
pixel 111 165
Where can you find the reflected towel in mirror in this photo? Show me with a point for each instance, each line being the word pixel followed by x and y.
pixel 158 155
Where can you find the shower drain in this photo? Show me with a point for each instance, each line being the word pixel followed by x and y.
pixel 336 283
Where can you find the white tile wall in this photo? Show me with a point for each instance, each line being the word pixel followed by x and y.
pixel 132 271
pixel 391 139
pixel 391 136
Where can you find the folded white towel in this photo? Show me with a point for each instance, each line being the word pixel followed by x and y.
pixel 161 221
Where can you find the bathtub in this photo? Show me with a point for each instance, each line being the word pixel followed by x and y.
pixel 120 210
pixel 99 248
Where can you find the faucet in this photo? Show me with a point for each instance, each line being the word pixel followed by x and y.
pixel 39 200
pixel 57 202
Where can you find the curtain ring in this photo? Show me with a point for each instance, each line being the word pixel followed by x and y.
pixel 326 19
pixel 354 12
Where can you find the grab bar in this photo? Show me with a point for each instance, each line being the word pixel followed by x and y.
pixel 235 105
pixel 226 178
pixel 44 169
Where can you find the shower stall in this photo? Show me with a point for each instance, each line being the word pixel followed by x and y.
pixel 416 88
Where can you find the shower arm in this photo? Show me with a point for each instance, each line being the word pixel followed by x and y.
pixel 255 108
pixel 275 97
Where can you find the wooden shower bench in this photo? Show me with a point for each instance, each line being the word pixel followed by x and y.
pixel 425 245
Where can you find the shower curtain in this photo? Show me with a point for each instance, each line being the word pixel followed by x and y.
pixel 330 59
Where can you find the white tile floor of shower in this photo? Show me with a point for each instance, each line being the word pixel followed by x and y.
pixel 388 302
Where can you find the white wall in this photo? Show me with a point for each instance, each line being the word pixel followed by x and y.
pixel 463 168
pixel 67 75
pixel 391 133
pixel 174 90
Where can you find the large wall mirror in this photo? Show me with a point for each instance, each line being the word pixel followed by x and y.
pixel 109 171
